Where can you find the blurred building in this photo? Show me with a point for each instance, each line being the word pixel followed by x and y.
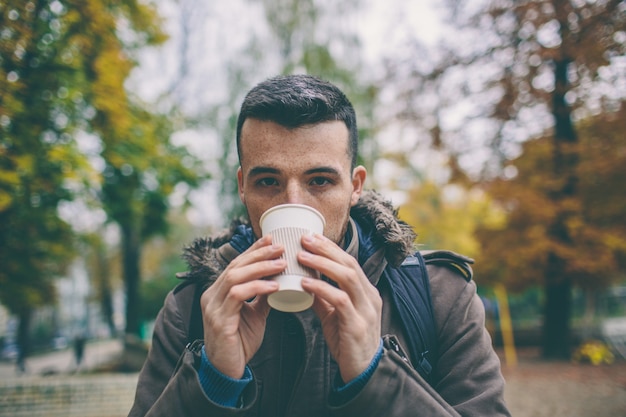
pixel 76 312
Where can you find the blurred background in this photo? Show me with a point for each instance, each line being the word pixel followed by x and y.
pixel 497 127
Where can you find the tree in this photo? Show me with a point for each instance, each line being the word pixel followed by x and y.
pixel 161 263
pixel 41 106
pixel 513 70
pixel 142 166
pixel 63 68
pixel 141 172
pixel 521 250
pixel 100 269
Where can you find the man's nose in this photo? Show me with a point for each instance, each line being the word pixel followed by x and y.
pixel 294 194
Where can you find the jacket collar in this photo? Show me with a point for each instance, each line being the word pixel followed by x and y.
pixel 375 237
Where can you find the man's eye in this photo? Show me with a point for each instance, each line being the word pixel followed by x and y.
pixel 319 181
pixel 267 182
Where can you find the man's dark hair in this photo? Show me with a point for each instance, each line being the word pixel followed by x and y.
pixel 297 100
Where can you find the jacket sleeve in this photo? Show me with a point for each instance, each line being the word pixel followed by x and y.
pixel 468 376
pixel 168 383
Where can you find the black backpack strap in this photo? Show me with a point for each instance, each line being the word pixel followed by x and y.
pixel 410 289
pixel 196 327
pixel 195 330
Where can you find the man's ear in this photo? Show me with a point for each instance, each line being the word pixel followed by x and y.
pixel 242 196
pixel 359 174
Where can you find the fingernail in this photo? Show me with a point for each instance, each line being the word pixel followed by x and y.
pixel 308 238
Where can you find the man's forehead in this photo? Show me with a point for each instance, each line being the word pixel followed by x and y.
pixel 259 137
pixel 253 125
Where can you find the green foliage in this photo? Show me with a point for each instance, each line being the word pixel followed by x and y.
pixel 154 290
pixel 63 66
pixel 161 261
pixel 142 171
pixel 40 164
pixel 142 165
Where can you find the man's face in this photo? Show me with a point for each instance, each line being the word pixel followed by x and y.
pixel 308 165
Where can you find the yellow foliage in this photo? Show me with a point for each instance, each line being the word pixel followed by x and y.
pixel 615 241
pixel 594 352
pixel 5 200
pixel 78 167
pixel 25 163
pixel 446 218
pixel 9 177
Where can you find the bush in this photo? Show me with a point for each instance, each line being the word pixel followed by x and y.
pixel 594 352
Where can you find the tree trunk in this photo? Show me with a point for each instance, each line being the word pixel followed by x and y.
pixel 131 254
pixel 558 287
pixel 557 311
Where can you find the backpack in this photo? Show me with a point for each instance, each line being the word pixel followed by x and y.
pixel 410 289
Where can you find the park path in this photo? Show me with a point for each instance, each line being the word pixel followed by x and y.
pixel 539 388
pixel 97 352
pixel 535 388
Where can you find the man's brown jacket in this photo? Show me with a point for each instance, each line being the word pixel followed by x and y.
pixel 293 371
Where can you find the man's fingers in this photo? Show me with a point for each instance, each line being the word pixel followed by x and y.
pixel 330 260
pixel 260 250
pixel 238 294
pixel 261 260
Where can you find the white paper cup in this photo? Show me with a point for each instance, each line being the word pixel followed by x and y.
pixel 287 223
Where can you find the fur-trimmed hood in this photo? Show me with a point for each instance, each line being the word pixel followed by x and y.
pixel 377 225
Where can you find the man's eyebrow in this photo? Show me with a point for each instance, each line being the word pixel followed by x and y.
pixel 323 170
pixel 262 170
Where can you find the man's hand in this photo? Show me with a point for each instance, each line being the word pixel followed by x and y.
pixel 351 314
pixel 233 327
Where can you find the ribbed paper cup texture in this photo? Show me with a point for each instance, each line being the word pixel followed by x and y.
pixel 287 223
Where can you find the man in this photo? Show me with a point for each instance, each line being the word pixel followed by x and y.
pixel 297 143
